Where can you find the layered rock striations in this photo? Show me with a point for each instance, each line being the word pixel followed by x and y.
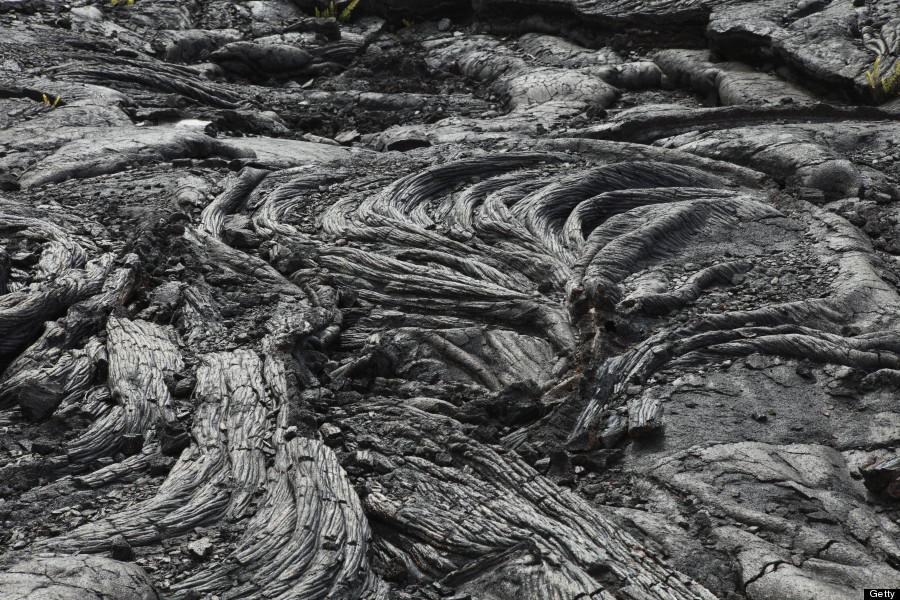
pixel 506 299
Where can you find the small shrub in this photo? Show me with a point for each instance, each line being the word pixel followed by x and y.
pixel 47 100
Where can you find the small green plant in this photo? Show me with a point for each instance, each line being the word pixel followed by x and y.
pixel 345 14
pixel 125 2
pixel 407 22
pixel 883 86
pixel 331 11
pixel 47 100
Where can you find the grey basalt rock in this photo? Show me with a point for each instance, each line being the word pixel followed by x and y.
pixel 102 152
pixel 729 83
pixel 507 299
pixel 820 43
pixel 75 577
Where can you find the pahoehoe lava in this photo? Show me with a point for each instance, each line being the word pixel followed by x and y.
pixel 449 300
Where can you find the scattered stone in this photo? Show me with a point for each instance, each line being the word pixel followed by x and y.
pixel 132 443
pixel 331 434
pixel 160 465
pixel 120 549
pixel 347 137
pixel 200 549
pixel 173 439
pixel 878 476
pixel 644 416
pixel 184 387
pixel 756 362
pixel 318 139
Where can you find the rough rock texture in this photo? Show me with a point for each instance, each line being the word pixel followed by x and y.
pixel 446 300
pixel 75 577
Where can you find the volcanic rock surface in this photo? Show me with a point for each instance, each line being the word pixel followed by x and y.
pixel 494 300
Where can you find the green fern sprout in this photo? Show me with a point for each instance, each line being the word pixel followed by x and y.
pixel 47 101
pixel 872 75
pixel 889 83
pixel 331 11
pixel 883 86
pixel 345 14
